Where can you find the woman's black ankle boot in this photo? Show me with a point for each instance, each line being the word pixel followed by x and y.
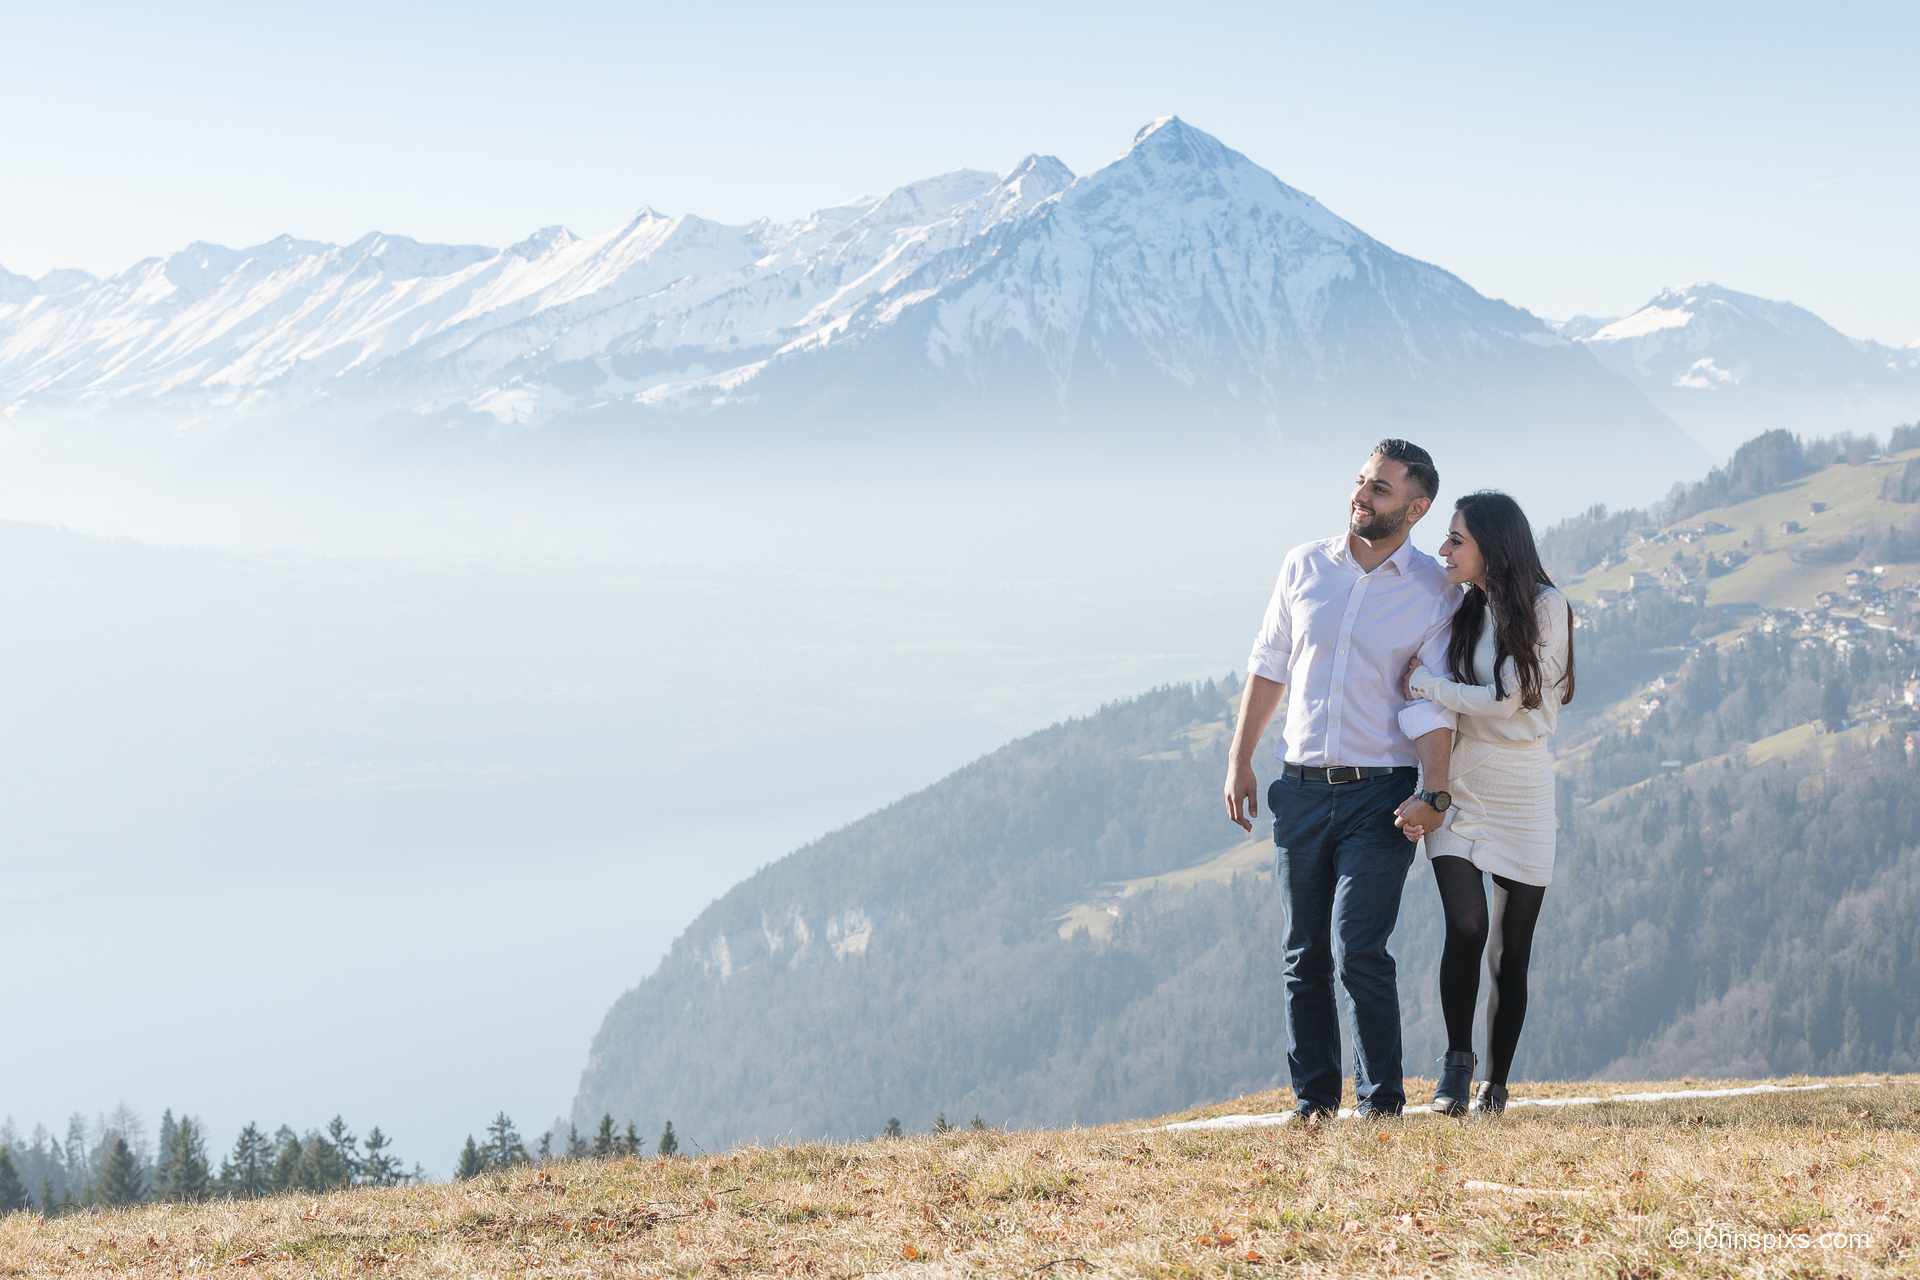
pixel 1491 1100
pixel 1456 1079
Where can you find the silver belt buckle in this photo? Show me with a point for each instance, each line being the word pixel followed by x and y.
pixel 1352 770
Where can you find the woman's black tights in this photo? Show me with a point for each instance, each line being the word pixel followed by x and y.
pixel 1507 945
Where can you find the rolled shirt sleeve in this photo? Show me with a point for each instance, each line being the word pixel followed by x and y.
pixel 1423 715
pixel 1272 652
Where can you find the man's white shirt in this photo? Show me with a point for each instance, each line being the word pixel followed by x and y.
pixel 1339 638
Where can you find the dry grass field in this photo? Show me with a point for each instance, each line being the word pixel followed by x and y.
pixel 1790 1184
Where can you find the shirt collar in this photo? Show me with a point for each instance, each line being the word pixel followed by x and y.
pixel 1400 560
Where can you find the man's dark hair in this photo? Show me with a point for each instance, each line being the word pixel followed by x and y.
pixel 1418 462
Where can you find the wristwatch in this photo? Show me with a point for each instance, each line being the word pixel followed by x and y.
pixel 1440 800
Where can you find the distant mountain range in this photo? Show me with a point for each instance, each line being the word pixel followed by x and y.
pixel 1181 282
pixel 1721 361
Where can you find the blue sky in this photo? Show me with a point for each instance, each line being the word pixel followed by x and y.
pixel 1563 159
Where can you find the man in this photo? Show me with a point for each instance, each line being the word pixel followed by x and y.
pixel 1346 615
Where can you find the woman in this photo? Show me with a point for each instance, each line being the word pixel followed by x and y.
pixel 1508 671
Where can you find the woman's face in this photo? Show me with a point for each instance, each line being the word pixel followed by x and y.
pixel 1461 554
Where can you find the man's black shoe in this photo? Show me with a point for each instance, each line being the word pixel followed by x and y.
pixel 1307 1113
pixel 1368 1111
pixel 1456 1082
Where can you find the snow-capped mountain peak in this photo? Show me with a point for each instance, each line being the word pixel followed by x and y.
pixel 1726 362
pixel 919 203
pixel 404 258
pixel 15 288
pixel 1174 141
pixel 1182 273
pixel 66 280
pixel 543 242
pixel 1711 321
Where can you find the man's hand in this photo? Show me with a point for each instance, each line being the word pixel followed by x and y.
pixel 1242 793
pixel 1406 677
pixel 1415 817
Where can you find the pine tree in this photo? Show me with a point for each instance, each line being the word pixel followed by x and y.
pixel 546 1147
pixel 504 1148
pixel 471 1161
pixel 126 1122
pixel 247 1174
pixel 163 1158
pixel 79 1174
pixel 321 1166
pixel 120 1179
pixel 576 1145
pixel 630 1146
pixel 603 1140
pixel 978 1123
pixel 286 1160
pixel 379 1168
pixel 668 1143
pixel 185 1166
pixel 893 1129
pixel 346 1145
pixel 47 1207
pixel 13 1193
pixel 940 1124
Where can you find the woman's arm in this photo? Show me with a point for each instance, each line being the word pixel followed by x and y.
pixel 1478 699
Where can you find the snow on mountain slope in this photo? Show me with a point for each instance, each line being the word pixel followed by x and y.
pixel 15 289
pixel 1181 273
pixel 1705 336
pixel 1184 276
pixel 1722 362
pixel 424 326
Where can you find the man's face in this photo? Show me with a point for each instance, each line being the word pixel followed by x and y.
pixel 1385 499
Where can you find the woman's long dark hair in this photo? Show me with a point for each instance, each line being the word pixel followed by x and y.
pixel 1514 577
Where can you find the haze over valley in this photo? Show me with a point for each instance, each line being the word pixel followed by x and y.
pixel 411 639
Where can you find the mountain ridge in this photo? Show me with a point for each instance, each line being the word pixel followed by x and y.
pixel 1722 361
pixel 1182 277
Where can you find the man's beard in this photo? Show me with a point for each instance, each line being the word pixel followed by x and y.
pixel 1382 524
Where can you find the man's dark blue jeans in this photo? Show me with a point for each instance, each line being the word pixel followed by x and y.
pixel 1342 865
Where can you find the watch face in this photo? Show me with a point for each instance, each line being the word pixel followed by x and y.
pixel 1442 801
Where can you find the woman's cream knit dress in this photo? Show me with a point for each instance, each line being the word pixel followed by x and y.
pixel 1502 818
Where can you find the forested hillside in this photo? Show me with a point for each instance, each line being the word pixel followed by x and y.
pixel 1738 888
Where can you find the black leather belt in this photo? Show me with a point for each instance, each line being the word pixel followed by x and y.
pixel 1338 773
